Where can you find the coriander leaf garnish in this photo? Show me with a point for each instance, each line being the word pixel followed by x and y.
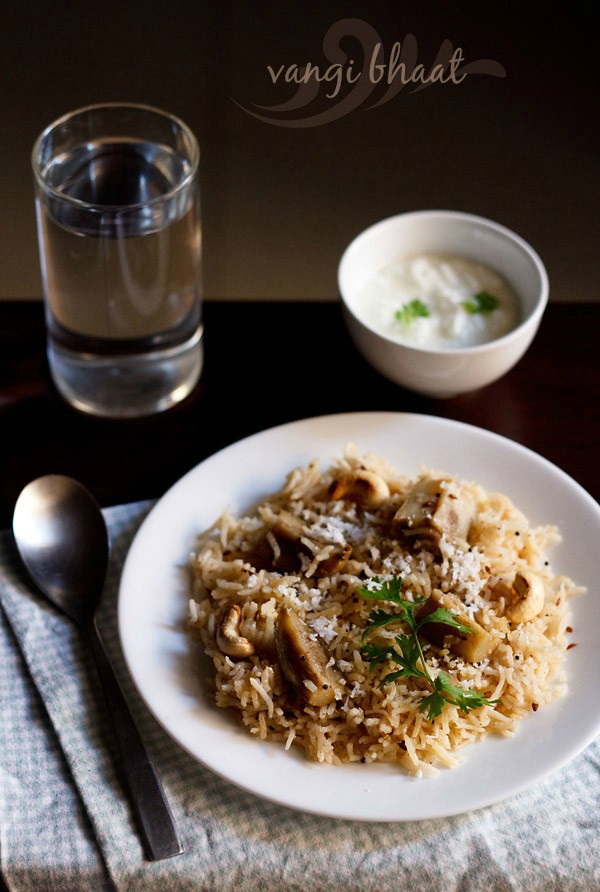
pixel 410 311
pixel 377 618
pixel 464 699
pixel 446 692
pixel 376 590
pixel 376 654
pixel 406 651
pixel 407 659
pixel 441 615
pixel 404 655
pixel 483 303
pixel 433 704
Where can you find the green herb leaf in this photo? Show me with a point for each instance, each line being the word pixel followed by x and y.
pixel 432 705
pixel 376 654
pixel 401 673
pixel 406 656
pixel 376 590
pixel 410 311
pixel 441 615
pixel 452 693
pixel 379 618
pixel 407 652
pixel 483 303
pixel 389 591
pixel 411 653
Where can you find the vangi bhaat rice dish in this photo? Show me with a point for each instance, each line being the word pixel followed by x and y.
pixel 365 616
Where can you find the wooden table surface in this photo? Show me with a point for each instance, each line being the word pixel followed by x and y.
pixel 268 363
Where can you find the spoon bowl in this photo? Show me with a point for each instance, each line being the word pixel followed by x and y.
pixel 63 542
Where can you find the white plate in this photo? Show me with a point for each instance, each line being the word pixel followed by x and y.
pixel 174 680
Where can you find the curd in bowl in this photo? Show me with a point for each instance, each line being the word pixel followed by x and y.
pixel 441 302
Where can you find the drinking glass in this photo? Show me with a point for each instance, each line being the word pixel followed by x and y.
pixel 118 221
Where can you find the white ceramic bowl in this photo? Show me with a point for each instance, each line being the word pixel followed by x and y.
pixel 433 371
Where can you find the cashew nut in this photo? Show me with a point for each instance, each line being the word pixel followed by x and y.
pixel 228 635
pixel 362 486
pixel 525 598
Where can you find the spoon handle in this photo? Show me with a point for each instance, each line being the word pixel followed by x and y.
pixel 156 824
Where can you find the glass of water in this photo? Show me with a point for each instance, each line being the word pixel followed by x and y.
pixel 120 246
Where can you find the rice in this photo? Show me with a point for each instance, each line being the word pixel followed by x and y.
pixel 242 561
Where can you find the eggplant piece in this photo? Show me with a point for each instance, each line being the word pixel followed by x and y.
pixel 302 658
pixel 290 531
pixel 432 510
pixel 288 526
pixel 335 562
pixel 474 647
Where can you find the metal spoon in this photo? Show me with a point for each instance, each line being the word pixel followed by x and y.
pixel 62 539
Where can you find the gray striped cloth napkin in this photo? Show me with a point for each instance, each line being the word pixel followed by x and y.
pixel 65 824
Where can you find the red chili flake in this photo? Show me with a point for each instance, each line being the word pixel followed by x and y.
pixel 535 706
pixel 569 646
pixel 487 569
pixel 569 629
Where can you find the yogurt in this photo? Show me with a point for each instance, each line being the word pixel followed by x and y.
pixel 438 301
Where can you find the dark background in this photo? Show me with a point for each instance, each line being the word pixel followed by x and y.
pixel 280 204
